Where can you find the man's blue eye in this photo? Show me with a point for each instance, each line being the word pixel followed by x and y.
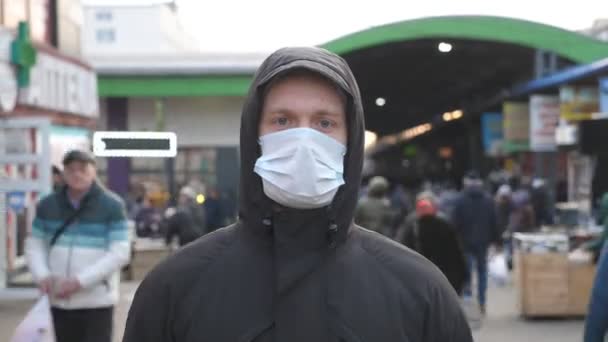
pixel 325 123
pixel 282 121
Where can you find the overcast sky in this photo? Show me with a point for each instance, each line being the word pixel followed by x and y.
pixel 264 25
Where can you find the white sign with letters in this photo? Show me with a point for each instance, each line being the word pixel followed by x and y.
pixel 544 117
pixel 60 85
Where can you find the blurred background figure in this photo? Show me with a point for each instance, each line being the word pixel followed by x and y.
pixel 188 221
pixel 474 219
pixel 147 219
pixel 504 207
pixel 431 235
pixel 401 203
pixel 448 197
pixel 214 210
pixel 57 177
pixel 374 209
pixel 541 203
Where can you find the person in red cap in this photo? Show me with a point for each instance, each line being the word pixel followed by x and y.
pixel 429 234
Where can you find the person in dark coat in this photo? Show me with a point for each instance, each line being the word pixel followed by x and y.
pixel 433 236
pixel 295 267
pixel 187 223
pixel 504 207
pixel 374 210
pixel 474 218
pixel 214 210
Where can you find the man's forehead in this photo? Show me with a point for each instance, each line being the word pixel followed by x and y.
pixel 303 75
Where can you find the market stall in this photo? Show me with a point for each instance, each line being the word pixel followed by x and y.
pixel 553 276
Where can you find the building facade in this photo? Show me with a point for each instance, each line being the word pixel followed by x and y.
pixel 48 105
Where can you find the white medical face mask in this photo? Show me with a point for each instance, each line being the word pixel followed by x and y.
pixel 301 168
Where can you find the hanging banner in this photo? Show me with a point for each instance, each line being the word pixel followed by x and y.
pixel 604 95
pixel 578 102
pixel 544 118
pixel 516 126
pixel 492 133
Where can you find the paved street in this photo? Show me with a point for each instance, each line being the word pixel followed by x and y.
pixel 501 325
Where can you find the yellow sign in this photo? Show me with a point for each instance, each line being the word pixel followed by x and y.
pixel 578 102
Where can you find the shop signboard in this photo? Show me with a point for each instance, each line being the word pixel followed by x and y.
pixel 544 118
pixel 62 85
pixel 578 102
pixel 8 77
pixel 516 126
pixel 492 133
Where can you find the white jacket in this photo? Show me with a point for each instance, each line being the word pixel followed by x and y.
pixel 93 253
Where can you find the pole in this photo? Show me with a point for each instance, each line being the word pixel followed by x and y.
pixel 168 162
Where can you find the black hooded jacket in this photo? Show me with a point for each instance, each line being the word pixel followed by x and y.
pixel 289 275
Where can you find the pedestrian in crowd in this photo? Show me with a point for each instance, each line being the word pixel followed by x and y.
pixel 504 207
pixel 57 178
pixel 401 203
pixel 294 267
pixel 432 235
pixel 522 218
pixel 214 210
pixel 78 245
pixel 596 324
pixel 413 216
pixel 147 220
pixel 447 199
pixel 187 223
pixel 374 210
pixel 474 218
pixel 541 203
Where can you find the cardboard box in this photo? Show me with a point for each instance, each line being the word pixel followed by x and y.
pixel 580 284
pixel 549 285
pixel 542 282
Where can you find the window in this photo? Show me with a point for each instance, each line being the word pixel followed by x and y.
pixel 106 36
pixel 103 16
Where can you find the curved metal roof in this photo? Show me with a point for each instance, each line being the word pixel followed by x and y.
pixel 574 46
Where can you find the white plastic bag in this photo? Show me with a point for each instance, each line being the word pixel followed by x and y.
pixel 497 269
pixel 37 326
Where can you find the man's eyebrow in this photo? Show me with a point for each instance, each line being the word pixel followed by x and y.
pixel 323 112
pixel 279 110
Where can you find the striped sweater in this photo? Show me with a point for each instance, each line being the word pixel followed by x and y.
pixel 93 248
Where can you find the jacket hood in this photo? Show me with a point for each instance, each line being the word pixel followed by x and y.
pixel 254 206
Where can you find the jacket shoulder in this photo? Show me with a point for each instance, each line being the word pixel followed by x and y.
pixel 194 257
pixel 112 199
pixel 402 263
pixel 47 204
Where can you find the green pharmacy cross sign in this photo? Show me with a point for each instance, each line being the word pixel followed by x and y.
pixel 23 54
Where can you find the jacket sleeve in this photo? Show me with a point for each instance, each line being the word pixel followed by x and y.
pixel 117 255
pixel 446 321
pixel 36 249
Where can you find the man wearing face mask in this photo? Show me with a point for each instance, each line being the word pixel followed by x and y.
pixel 295 267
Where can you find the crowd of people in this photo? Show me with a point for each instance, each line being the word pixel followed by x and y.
pixel 456 230
pixel 193 215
